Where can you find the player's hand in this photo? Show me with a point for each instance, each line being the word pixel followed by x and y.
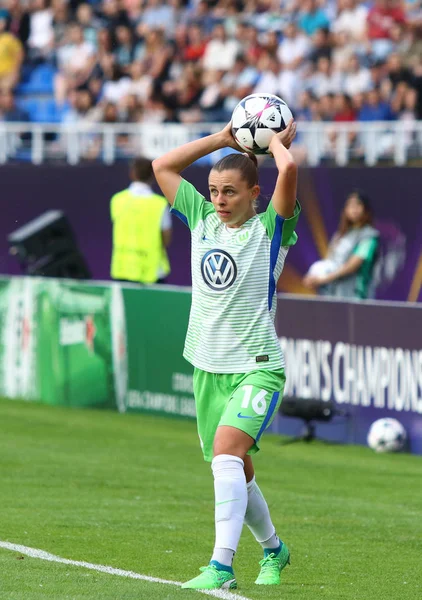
pixel 285 137
pixel 228 138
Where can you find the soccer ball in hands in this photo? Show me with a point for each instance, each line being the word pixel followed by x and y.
pixel 256 119
pixel 386 435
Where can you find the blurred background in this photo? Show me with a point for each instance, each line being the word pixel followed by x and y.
pixel 87 87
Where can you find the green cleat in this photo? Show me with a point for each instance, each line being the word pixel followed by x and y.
pixel 211 578
pixel 271 567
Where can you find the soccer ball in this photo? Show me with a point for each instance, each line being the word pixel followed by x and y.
pixel 386 435
pixel 256 119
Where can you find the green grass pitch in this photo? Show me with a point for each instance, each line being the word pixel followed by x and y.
pixel 132 492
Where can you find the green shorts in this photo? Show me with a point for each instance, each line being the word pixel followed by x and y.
pixel 246 401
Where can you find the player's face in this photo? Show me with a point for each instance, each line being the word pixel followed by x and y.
pixel 231 196
pixel 354 210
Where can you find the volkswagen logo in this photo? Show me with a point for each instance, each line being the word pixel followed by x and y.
pixel 218 270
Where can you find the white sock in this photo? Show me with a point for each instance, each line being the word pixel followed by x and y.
pixel 231 498
pixel 258 519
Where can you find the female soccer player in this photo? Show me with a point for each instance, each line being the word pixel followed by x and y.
pixel 237 257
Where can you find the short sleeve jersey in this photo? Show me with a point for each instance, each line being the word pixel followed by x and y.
pixel 234 273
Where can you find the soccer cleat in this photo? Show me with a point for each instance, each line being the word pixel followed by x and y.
pixel 212 578
pixel 271 567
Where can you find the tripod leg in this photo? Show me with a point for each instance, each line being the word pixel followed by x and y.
pixel 309 432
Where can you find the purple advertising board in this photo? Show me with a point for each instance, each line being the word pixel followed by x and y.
pixel 365 357
pixel 83 193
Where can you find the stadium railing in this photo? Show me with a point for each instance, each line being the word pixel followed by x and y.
pixel 391 142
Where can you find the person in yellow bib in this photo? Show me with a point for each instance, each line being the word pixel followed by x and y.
pixel 141 229
pixel 11 57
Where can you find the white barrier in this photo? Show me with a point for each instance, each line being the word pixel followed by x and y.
pixel 393 142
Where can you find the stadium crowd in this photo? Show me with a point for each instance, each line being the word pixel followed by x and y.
pixel 171 61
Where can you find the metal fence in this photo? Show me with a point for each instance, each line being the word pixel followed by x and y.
pixel 384 142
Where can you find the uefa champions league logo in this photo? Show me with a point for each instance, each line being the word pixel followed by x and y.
pixel 218 270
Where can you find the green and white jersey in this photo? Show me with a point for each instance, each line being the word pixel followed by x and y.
pixel 234 273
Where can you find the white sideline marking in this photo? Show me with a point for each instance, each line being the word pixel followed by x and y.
pixel 36 553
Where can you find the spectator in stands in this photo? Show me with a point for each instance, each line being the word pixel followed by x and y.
pixel 378 77
pixel 325 80
pixel 405 108
pixel 196 44
pixel 357 79
pixel 374 107
pixel 347 270
pixel 221 51
pixel 89 23
pixel 11 57
pixel 304 107
pixel 202 14
pixel 270 42
pixel 61 20
pixel 343 50
pixel 134 9
pixel 269 80
pixel 9 112
pixel 131 108
pixel 113 15
pixel 326 107
pixel 180 96
pixel 381 18
pixel 18 20
pixel 76 62
pixel 156 15
pixel 292 54
pixel 251 47
pixel 156 54
pixel 41 33
pixel 81 108
pixel 344 111
pixel 117 85
pixel 104 44
pixel 395 71
pixel 141 82
pixel 322 46
pixel 211 101
pixel 312 17
pixel 141 229
pixel 238 82
pixel 334 50
pixel 124 52
pixel 411 50
pixel 351 19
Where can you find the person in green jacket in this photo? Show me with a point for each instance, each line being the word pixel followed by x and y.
pixel 141 229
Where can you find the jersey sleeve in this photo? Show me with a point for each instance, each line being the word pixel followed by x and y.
pixel 190 206
pixel 277 226
pixel 166 219
pixel 366 249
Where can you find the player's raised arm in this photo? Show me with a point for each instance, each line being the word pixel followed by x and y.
pixel 284 196
pixel 168 167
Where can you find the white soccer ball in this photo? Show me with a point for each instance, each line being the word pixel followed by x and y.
pixel 256 119
pixel 386 435
pixel 320 268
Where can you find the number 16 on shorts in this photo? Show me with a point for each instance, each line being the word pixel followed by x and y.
pixel 252 407
pixel 258 403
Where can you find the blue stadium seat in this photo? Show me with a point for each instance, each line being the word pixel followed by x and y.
pixel 39 81
pixel 41 110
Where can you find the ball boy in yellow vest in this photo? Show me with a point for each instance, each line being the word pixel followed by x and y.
pixel 141 229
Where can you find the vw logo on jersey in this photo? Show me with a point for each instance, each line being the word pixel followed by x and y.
pixel 218 270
